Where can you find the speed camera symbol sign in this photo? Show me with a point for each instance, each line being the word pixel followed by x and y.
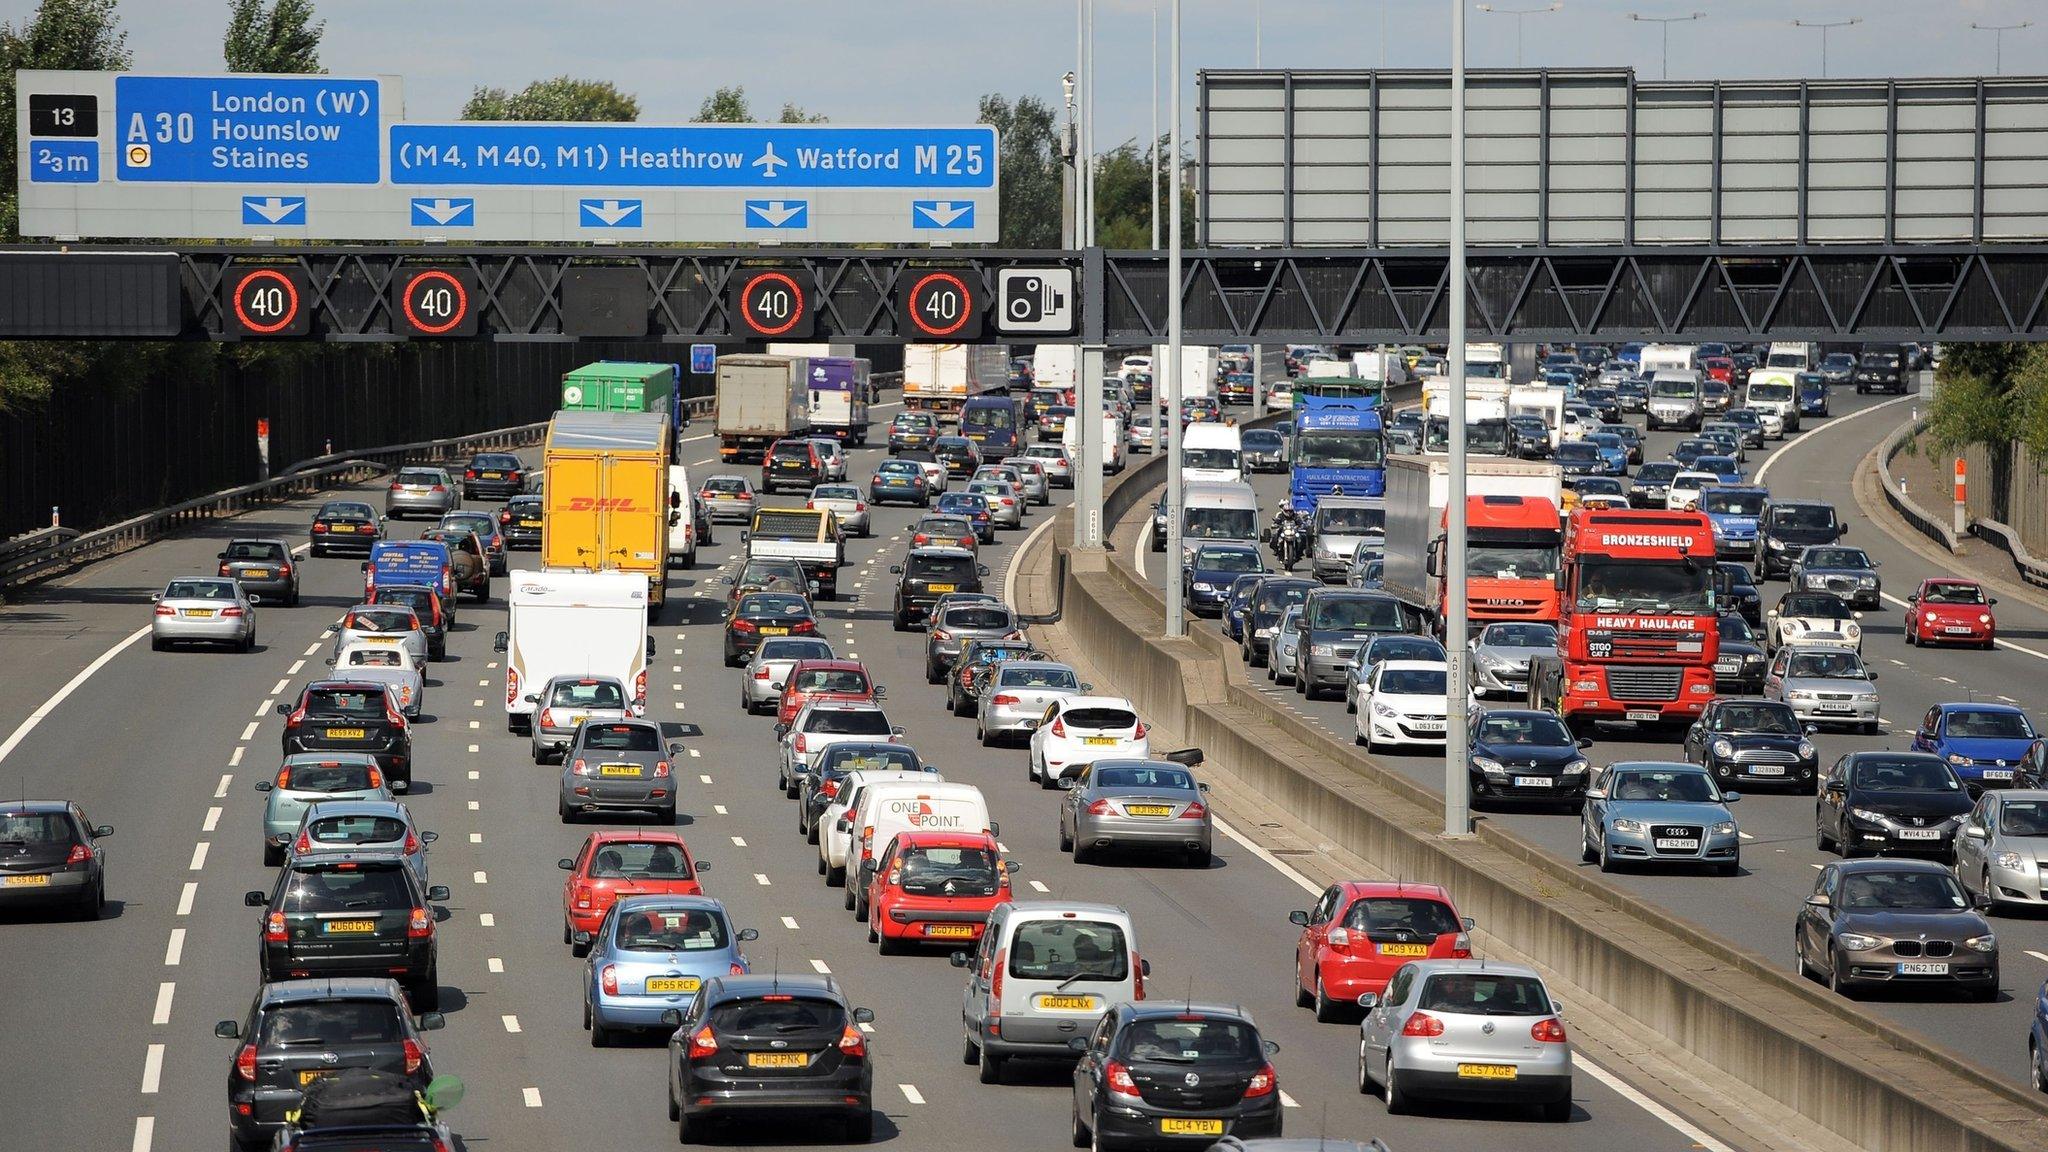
pixel 1035 301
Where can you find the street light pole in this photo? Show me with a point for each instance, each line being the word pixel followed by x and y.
pixel 1167 436
pixel 1998 32
pixel 1153 195
pixel 1825 27
pixel 1088 121
pixel 1457 743
pixel 1664 23
pixel 1518 14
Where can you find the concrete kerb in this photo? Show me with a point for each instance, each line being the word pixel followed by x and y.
pixel 1840 1068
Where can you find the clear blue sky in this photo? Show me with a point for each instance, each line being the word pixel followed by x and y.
pixel 906 61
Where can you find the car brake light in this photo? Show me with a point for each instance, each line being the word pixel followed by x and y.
pixel 802 742
pixel 505 517
pixel 1423 1024
pixel 1059 727
pixel 245 1062
pixel 703 1045
pixel 284 777
pixel 412 842
pixel 319 525
pixel 413 1055
pixel 581 767
pixel 1099 808
pixel 852 1043
pixel 392 716
pixel 803 627
pixel 736 969
pixel 304 843
pixel 609 977
pixel 762 675
pixel 1194 811
pixel 284 569
pixel 1548 1031
pixel 166 610
pixel 744 626
pixel 440 487
pixel 376 778
pixel 420 925
pixel 995 986
pixel 1461 946
pixel 223 569
pixel 547 717
pixel 1262 1083
pixel 941 634
pixel 79 854
pixel 829 789
pixel 1140 733
pixel 860 505
pixel 273 929
pixel 511 687
pixel 810 504
pixel 1119 1078
pixel 232 610
pixel 661 770
pixel 1340 938
pixel 469 473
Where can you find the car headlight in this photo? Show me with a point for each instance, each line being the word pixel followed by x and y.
pixel 1634 827
pixel 1816 582
pixel 1857 942
pixel 1852 631
pixel 1867 815
pixel 1322 650
pixel 1753 658
pixel 1575 768
pixel 1723 748
pixel 1806 749
pixel 1725 828
pixel 1777 545
pixel 1929 617
pixel 2012 861
pixel 1489 765
pixel 1982 618
pixel 1204 586
pixel 1866 582
pixel 1985 943
pixel 1798 695
pixel 1380 709
pixel 1958 758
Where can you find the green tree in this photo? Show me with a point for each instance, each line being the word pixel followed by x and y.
pixel 1989 394
pixel 561 98
pixel 792 114
pixel 278 37
pixel 1029 140
pixel 1123 216
pixel 80 34
pixel 725 106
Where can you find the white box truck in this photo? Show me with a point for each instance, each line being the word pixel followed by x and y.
pixel 940 378
pixel 760 399
pixel 1056 366
pixel 581 623
pixel 1198 370
pixel 1656 358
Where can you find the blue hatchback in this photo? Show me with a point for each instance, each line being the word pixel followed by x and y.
pixel 1613 452
pixel 1213 568
pixel 1724 467
pixel 651 954
pixel 1983 743
pixel 972 507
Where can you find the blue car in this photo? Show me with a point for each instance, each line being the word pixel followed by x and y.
pixel 1724 467
pixel 899 482
pixel 1659 812
pixel 1813 394
pixel 971 507
pixel 1983 743
pixel 1733 510
pixel 1613 452
pixel 1236 603
pixel 651 954
pixel 1213 568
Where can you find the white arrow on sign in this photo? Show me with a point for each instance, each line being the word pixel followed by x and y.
pixel 274 208
pixel 945 212
pixel 442 211
pixel 611 211
pixel 777 212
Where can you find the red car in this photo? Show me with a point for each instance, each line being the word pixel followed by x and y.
pixel 1361 931
pixel 811 680
pixel 1951 612
pixel 1720 368
pixel 936 888
pixel 611 865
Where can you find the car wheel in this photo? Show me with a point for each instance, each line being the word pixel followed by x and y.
pixel 1799 965
pixel 2035 1076
pixel 1822 842
pixel 562 809
pixel 1399 1103
pixel 1326 1008
pixel 987 738
pixel 600 1036
pixel 1200 859
pixel 273 855
pixel 1869 729
pixel 1606 859
pixel 1557 1111
pixel 1066 841
pixel 991 1068
pixel 689 1130
pixel 1080 1135
pixel 1365 1084
pixel 1350 701
pixel 1836 983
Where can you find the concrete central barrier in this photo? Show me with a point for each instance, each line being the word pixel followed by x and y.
pixel 1846 1070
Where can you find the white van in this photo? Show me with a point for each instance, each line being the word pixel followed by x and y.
pixel 1211 452
pixel 590 623
pixel 830 835
pixel 906 806
pixel 1112 440
pixel 1043 974
pixel 1212 511
pixel 1655 358
pixel 686 529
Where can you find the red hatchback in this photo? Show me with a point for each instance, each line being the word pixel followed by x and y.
pixel 812 680
pixel 1951 612
pixel 936 888
pixel 612 865
pixel 1719 368
pixel 1361 931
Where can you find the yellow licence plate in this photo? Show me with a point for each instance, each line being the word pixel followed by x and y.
pixel 1098 741
pixel 309 1075
pixel 344 527
pixel 345 733
pixel 1149 809
pixel 1486 1071
pixel 774 631
pixel 198 611
pixel 339 927
pixel 672 984
pixel 257 573
pixel 619 770
pixel 1404 950
pixel 1175 1126
pixel 28 881
pixel 950 931
pixel 940 587
pixel 778 1059
pixel 494 475
pixel 1066 1003
pixel 529 523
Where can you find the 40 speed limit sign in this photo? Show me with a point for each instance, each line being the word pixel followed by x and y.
pixel 434 302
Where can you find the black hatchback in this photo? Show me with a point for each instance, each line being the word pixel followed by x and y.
pixel 50 856
pixel 493 475
pixel 763 615
pixel 1882 801
pixel 1754 742
pixel 927 574
pixel 770 1045
pixel 300 1031
pixel 1263 609
pixel 519 521
pixel 352 914
pixel 351 716
pixel 1787 528
pixel 1181 1073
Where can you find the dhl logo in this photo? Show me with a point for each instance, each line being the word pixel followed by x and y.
pixel 601 504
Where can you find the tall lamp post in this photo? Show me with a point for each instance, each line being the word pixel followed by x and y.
pixel 1825 27
pixel 1457 737
pixel 1664 23
pixel 1998 32
pixel 1168 435
pixel 1519 14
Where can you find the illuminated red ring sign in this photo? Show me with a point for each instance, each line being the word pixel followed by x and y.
pixel 966 303
pixel 291 295
pixel 436 276
pixel 796 302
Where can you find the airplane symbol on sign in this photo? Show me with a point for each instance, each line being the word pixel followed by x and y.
pixel 769 162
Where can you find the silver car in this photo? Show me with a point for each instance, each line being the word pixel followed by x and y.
pixel 1501 654
pixel 1138 436
pixel 617 766
pixel 729 497
pixel 1005 501
pixel 566 703
pixel 335 825
pixel 306 778
pixel 1824 686
pixel 1135 804
pixel 762 677
pixel 382 626
pixel 1017 694
pixel 952 625
pixel 2000 841
pixel 846 502
pixel 1059 470
pixel 422 492
pixel 1657 812
pixel 1466 1030
pixel 1037 484
pixel 1283 646
pixel 820 725
pixel 203 610
pixel 833 455
pixel 263 567
pixel 391 666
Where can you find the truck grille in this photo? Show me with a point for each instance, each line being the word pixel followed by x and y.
pixel 1650 645
pixel 1627 683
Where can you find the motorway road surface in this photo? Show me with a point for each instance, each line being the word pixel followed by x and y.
pixel 167 746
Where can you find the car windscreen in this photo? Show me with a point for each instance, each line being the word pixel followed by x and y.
pixel 1078 950
pixel 1519 636
pixel 1228 560
pixel 381 620
pixel 328 777
pixel 1220 523
pixel 342 511
pixel 1524 728
pixel 1413 681
pixel 1901 890
pixel 1834 558
pixel 329 1024
pixel 1578 452
pixel 1820 606
pixel 774 606
pixel 1952 594
pixel 835 492
pixel 1772 719
pixel 254 550
pixel 1825 665
pixel 1485 994
pixel 1656 472
pixel 961 871
pixel 957 569
pixel 779 1015
pixel 1375 613
pixel 1101 719
pixel 373 658
pixel 1664 787
pixel 1402 648
pixel 588 694
pixel 785 648
pixel 978 617
pixel 671 930
pixel 621 738
pixel 1401 914
pixel 947 526
pixel 868 758
pixel 791 450
pixel 367 704
pixel 199 590
pixel 2023 818
pixel 1904 774
pixel 1038 678
pixel 899 468
pixel 1190 1040
pixel 346 890
pixel 1731 503
pixel 340 831
pixel 419 476
pixel 1972 723
pixel 1810 516
pixel 762 571
pixel 1349 520
pixel 848 722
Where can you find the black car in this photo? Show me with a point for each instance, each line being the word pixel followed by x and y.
pixel 1606 402
pixel 1525 754
pixel 792 464
pixel 1787 527
pixel 345 525
pixel 914 430
pixel 496 475
pixel 1742 661
pixel 425 603
pixel 1528 437
pixel 1263 609
pixel 1686 452
pixel 927 574
pixel 519 522
pixel 959 454
pixel 759 615
pixel 351 716
pixel 770 1046
pixel 1579 458
pixel 299 1031
pixel 1632 393
pixel 359 913
pixel 1754 742
pixel 1879 372
pixel 1173 1072
pixel 1882 801
pixel 1735 591
pixel 50 857
pixel 1652 484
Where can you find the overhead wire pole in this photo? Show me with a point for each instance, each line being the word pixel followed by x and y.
pixel 1176 610
pixel 1457 744
pixel 1998 32
pixel 1664 24
pixel 1825 27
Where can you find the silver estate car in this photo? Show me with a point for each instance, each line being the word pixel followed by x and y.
pixel 567 702
pixel 203 610
pixel 307 778
pixel 1059 470
pixel 1155 804
pixel 1005 501
pixel 1032 473
pixel 382 626
pixel 422 492
pixel 1999 844
pixel 846 502
pixel 728 497
pixel 389 665
pixel 762 677
pixel 1475 1030
pixel 1017 694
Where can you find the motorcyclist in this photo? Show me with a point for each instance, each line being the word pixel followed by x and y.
pixel 1289 535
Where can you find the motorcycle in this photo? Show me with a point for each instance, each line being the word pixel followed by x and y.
pixel 1290 544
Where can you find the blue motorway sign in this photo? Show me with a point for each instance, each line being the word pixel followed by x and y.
pixel 444 212
pixel 755 156
pixel 942 214
pixel 778 214
pixel 247 129
pixel 62 161
pixel 703 359
pixel 609 213
pixel 260 210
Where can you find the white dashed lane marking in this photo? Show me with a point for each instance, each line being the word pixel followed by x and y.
pixel 1036 886
pixel 495 964
pixel 152 1069
pixel 212 819
pixel 164 992
pixel 511 1022
pixel 911 1093
pixel 186 897
pixel 1287 1101
pixel 226 778
pixel 789 922
pixel 174 952
pixel 278 688
pixel 821 967
pixel 199 855
pixel 486 920
pixel 761 878
pixel 532 1097
pixel 718 808
pixel 479 878
pixel 739 842
pixel 249 732
pixel 235 758
pixel 145 1134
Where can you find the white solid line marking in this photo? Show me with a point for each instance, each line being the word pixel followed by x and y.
pixel 495 964
pixel 293 670
pixel 1621 1088
pixel 2038 956
pixel 820 966
pixel 761 878
pixel 1039 886
pixel 249 732
pixel 212 819
pixel 1287 1101
pixel 174 952
pixel 235 758
pixel 164 992
pixel 278 688
pixel 511 1022
pixel 186 897
pixel 220 792
pixel 311 650
pixel 152 1069
pixel 475 775
pixel 479 878
pixel 789 922
pixel 739 842
pixel 485 919
pixel 719 808
pixel 199 855
pixel 145 1133
pixel 911 1093
pixel 476 837
pixel 532 1097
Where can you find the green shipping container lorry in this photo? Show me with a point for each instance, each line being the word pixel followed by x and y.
pixel 620 386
